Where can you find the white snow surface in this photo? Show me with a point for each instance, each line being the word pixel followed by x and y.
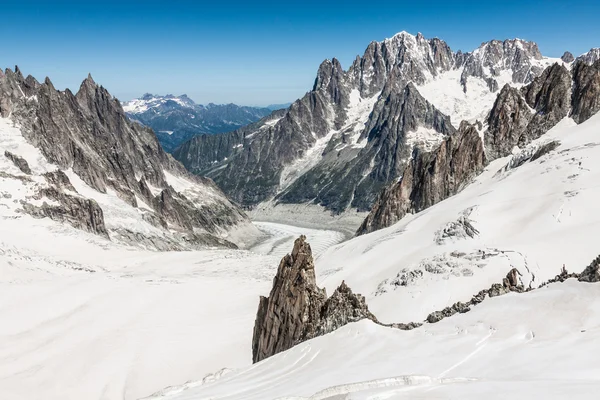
pixel 446 93
pixel 85 318
pixel 537 218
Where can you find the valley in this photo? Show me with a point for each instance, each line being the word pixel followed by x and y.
pixel 420 224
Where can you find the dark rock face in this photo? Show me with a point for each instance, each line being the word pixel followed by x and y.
pixel 178 119
pixel 511 122
pixel 339 185
pixel 567 57
pixel 79 212
pixel 429 178
pixel 19 162
pixel 586 91
pixel 298 310
pixel 90 133
pixel 549 96
pixel 592 272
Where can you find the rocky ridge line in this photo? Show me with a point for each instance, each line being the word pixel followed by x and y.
pixel 88 133
pixel 518 117
pixel 298 310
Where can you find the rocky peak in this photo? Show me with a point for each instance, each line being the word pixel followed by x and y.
pixel 590 57
pixel 511 122
pixel 297 309
pixel 414 58
pixel 429 178
pixel 331 80
pixel 89 134
pixel 489 60
pixel 586 90
pixel 591 272
pixel 567 57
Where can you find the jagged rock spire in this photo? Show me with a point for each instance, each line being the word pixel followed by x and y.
pixel 297 310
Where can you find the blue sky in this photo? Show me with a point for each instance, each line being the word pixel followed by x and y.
pixel 255 52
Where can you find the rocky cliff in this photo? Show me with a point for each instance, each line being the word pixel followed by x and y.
pixel 429 178
pixel 118 164
pixel 356 130
pixel 518 117
pixel 298 310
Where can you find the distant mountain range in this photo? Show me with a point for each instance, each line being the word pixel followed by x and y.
pixel 176 119
pixel 358 130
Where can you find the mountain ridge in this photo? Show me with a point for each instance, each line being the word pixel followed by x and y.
pixel 176 119
pixel 327 149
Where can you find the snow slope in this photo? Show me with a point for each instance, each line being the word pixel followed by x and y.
pixel 536 217
pixel 536 345
pixel 84 318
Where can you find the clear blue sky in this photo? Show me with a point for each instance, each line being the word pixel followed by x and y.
pixel 255 52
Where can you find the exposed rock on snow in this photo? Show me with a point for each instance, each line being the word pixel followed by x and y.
pixel 511 121
pixel 429 178
pixel 592 272
pixel 98 159
pixel 590 57
pixel 19 162
pixel 462 228
pixel 297 309
pixel 79 212
pixel 586 91
pixel 529 154
pixel 330 149
pixel 567 57
pixel 509 284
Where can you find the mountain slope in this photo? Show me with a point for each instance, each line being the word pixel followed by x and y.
pixel 356 130
pixel 177 119
pixel 537 216
pixel 517 118
pixel 89 166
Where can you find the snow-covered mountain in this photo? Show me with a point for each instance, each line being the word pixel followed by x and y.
pixel 176 119
pixel 477 274
pixel 78 160
pixel 356 130
pixel 534 215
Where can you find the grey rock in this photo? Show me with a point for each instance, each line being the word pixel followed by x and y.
pixel 458 307
pixel 298 310
pixel 591 272
pixel 79 212
pixel 586 91
pixel 60 180
pixel 516 55
pixel 462 228
pixel 568 57
pixel 511 122
pixel 90 133
pixel 429 178
pixel 19 162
